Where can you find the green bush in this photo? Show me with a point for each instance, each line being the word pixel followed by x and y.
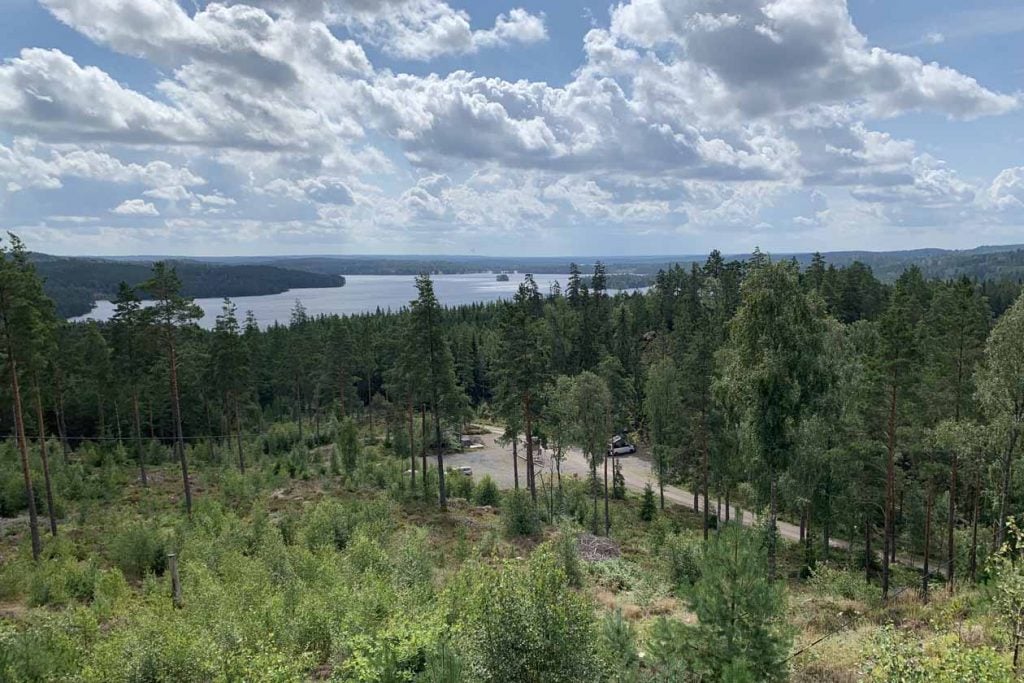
pixel 567 549
pixel 139 549
pixel 519 515
pixel 526 624
pixel 648 508
pixel 332 523
pixel 59 581
pixel 486 492
pixel 282 437
pixel 682 559
pixel 459 485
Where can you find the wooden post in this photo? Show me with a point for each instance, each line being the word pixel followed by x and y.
pixel 172 562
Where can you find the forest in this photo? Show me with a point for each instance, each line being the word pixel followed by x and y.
pixel 75 284
pixel 181 504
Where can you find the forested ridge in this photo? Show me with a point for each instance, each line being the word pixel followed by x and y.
pixel 274 504
pixel 75 284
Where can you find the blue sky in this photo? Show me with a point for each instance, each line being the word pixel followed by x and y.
pixel 534 128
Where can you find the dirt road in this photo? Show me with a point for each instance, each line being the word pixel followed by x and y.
pixel 496 460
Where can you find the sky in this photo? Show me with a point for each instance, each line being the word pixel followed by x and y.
pixel 510 128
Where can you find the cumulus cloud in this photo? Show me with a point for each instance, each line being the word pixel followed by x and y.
pixel 135 207
pixel 30 164
pixel 683 116
pixel 777 56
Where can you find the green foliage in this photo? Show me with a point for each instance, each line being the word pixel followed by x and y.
pixel 617 645
pixel 567 549
pixel 347 443
pixel 459 485
pixel 648 508
pixel 332 523
pixel 741 633
pixel 519 515
pixel 682 557
pixel 897 658
pixel 486 492
pixel 526 624
pixel 139 548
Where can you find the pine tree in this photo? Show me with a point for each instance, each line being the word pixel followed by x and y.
pixel 230 369
pixel 446 400
pixel 648 508
pixel 126 327
pixel 664 409
pixel 168 314
pixel 17 316
pixel 522 368
pixel 1001 390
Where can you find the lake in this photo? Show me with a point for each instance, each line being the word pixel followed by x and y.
pixel 361 294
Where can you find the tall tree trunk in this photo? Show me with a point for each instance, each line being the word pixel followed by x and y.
pixel 19 428
pixel 976 494
pixel 607 515
pixel 45 460
pixel 704 467
pixel 238 434
pixel 869 557
pixel 515 459
pixel 951 524
pixel 528 420
pixel 808 543
pixel 825 540
pixel 929 499
pixel 772 528
pixel 62 427
pixel 441 492
pixel 423 446
pixel 117 420
pixel 890 487
pixel 412 442
pixel 1004 493
pixel 341 394
pixel 179 433
pixel 558 467
pixel 728 515
pixel 661 479
pixel 137 425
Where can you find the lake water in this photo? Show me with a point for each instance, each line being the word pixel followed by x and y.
pixel 361 294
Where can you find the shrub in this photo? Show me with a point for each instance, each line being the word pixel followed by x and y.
pixel 519 515
pixel 525 624
pixel 486 492
pixel 332 523
pixel 741 632
pixel 139 549
pixel 682 558
pixel 59 579
pixel 458 485
pixel 567 549
pixel 282 437
pixel 347 440
pixel 648 508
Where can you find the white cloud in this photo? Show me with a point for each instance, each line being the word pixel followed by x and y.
pixel 683 116
pixel 30 164
pixel 135 207
pixel 46 93
pixel 770 57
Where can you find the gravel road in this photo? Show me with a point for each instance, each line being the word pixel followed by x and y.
pixel 496 460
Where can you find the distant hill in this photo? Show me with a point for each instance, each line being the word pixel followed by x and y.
pixel 987 262
pixel 75 284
